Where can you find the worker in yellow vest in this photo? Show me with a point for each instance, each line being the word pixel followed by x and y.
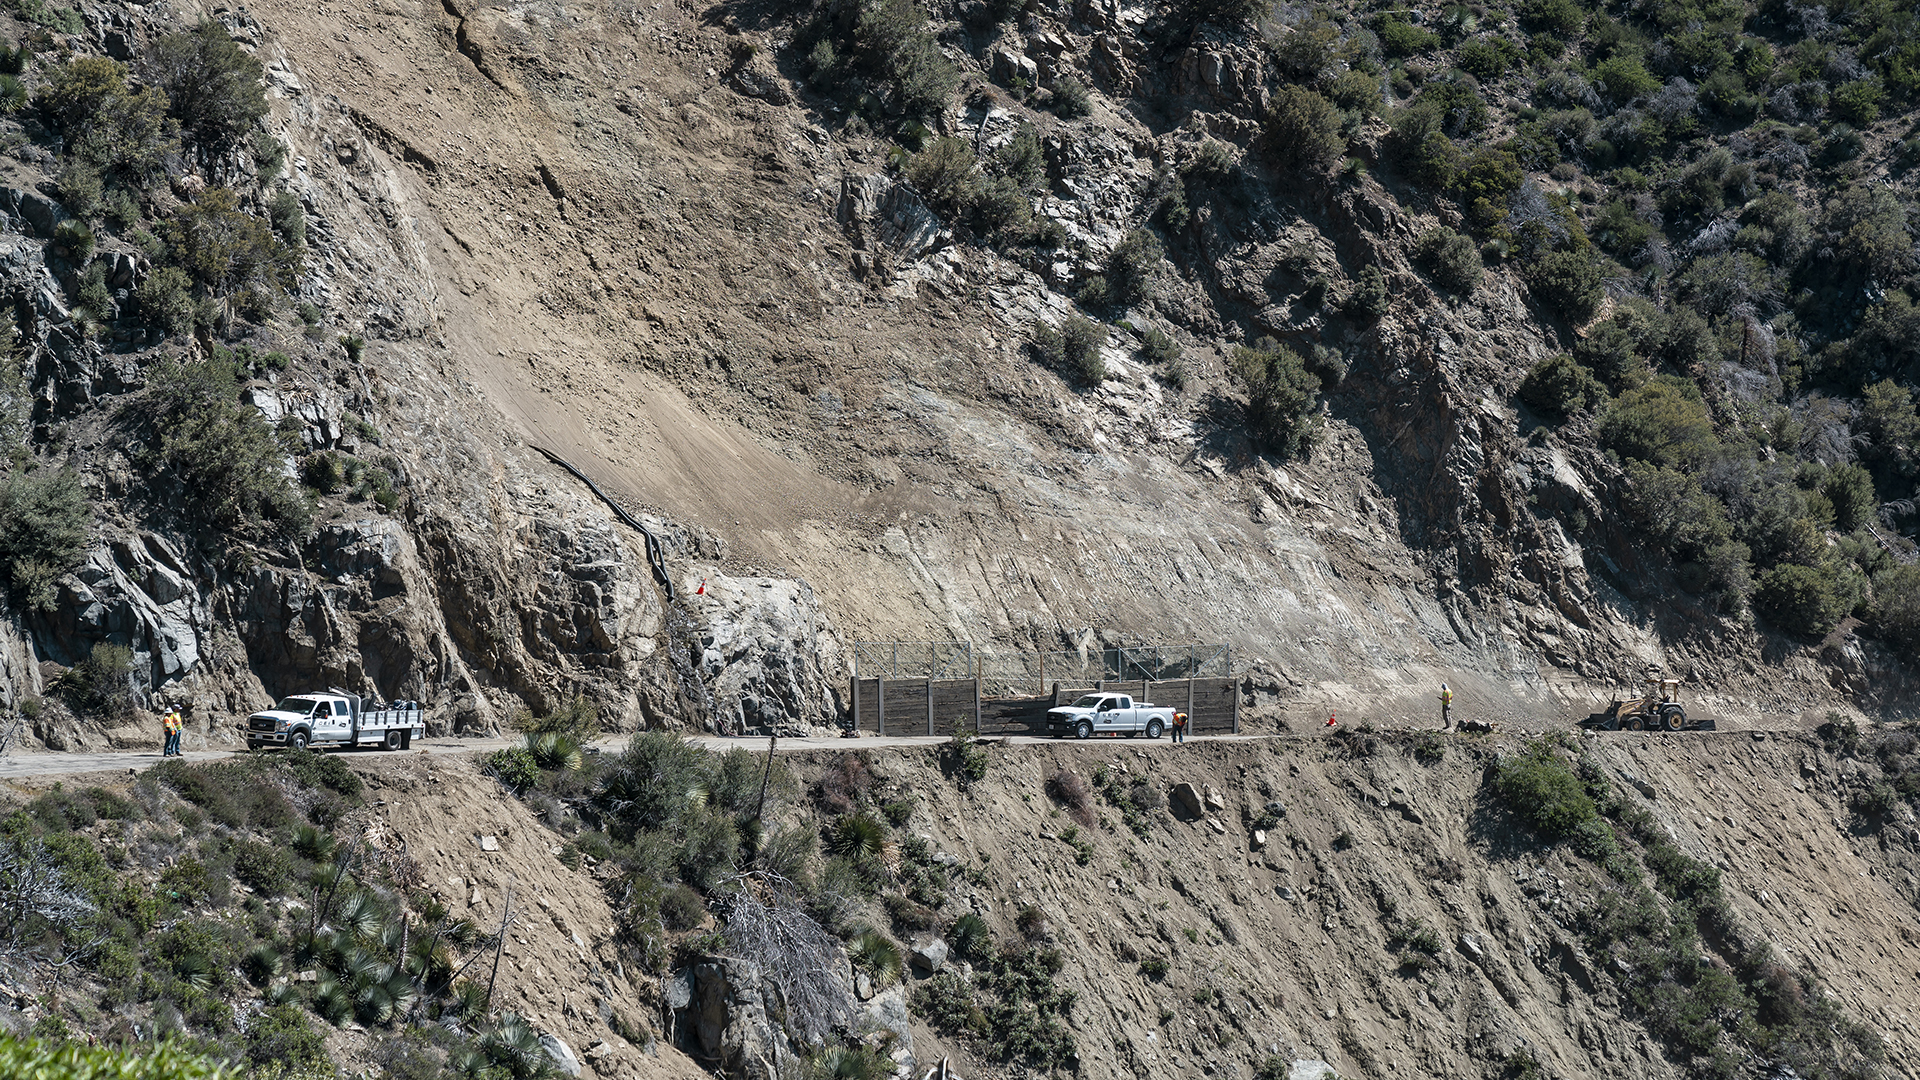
pixel 1446 708
pixel 172 725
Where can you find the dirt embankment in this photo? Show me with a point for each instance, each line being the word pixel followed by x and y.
pixel 1297 947
pixel 1391 918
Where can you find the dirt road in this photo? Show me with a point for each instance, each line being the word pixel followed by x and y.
pixel 20 766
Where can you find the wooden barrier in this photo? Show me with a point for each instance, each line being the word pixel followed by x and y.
pixel 939 707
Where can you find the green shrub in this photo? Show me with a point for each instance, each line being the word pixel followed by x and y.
pixel 227 250
pixel 1567 283
pixel 109 127
pixel 1452 259
pixel 1370 298
pixel 1662 421
pixel 225 459
pixel 1280 396
pixel 1622 78
pixel 213 86
pixel 281 1033
pixel 1544 791
pixel 44 522
pixel 682 909
pixel 101 684
pixel 1304 129
pixel 165 299
pixel 1307 55
pixel 513 766
pixel 1070 100
pixel 970 937
pixel 288 219
pixel 946 175
pixel 895 42
pixel 1896 607
pixel 1158 347
pixel 1804 600
pixel 1400 37
pixel 1073 350
pixel 264 868
pixel 966 760
pixel 1850 489
pixel 1488 58
pixel 1857 102
pixel 73 1060
pixel 1132 266
pixel 1559 386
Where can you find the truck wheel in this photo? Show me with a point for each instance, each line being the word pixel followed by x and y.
pixel 1676 718
pixel 1153 728
pixel 393 740
pixel 1083 731
pixel 297 740
pixel 1635 723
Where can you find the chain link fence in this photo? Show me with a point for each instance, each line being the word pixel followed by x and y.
pixel 1014 674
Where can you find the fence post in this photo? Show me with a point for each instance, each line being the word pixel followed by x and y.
pixel 1189 696
pixel 1043 671
pixel 976 705
pixel 856 701
pixel 880 699
pixel 1233 687
pixel 929 706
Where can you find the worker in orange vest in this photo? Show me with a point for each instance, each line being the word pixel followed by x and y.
pixel 1179 727
pixel 172 725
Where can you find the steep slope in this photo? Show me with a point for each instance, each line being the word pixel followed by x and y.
pixel 1396 920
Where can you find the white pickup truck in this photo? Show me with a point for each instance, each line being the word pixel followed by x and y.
pixel 1108 714
pixel 335 718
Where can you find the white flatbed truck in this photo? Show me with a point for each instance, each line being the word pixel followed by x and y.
pixel 334 719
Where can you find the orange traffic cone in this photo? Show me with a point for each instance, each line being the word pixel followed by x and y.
pixel 1332 719
pixel 702 590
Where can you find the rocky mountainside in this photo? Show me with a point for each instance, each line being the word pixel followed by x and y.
pixel 820 314
pixel 1366 905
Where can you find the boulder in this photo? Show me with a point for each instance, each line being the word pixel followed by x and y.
pixel 930 957
pixel 561 1053
pixel 1185 802
pixel 1210 798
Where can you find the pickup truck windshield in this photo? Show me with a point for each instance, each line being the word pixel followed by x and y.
pixel 1091 701
pixel 295 705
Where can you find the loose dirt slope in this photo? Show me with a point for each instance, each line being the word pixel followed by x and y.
pixel 572 217
pixel 1293 940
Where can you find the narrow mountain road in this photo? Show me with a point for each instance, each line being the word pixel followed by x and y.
pixel 23 765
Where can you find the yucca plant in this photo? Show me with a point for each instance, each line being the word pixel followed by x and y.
pixel 194 969
pixel 332 1001
pixel 857 834
pixel 359 914
pixel 429 960
pixel 280 992
pixel 970 937
pixel 469 1001
pixel 515 1046
pixel 372 1004
pixel 554 751
pixel 262 963
pixel 361 968
pixel 876 954
pixel 313 843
